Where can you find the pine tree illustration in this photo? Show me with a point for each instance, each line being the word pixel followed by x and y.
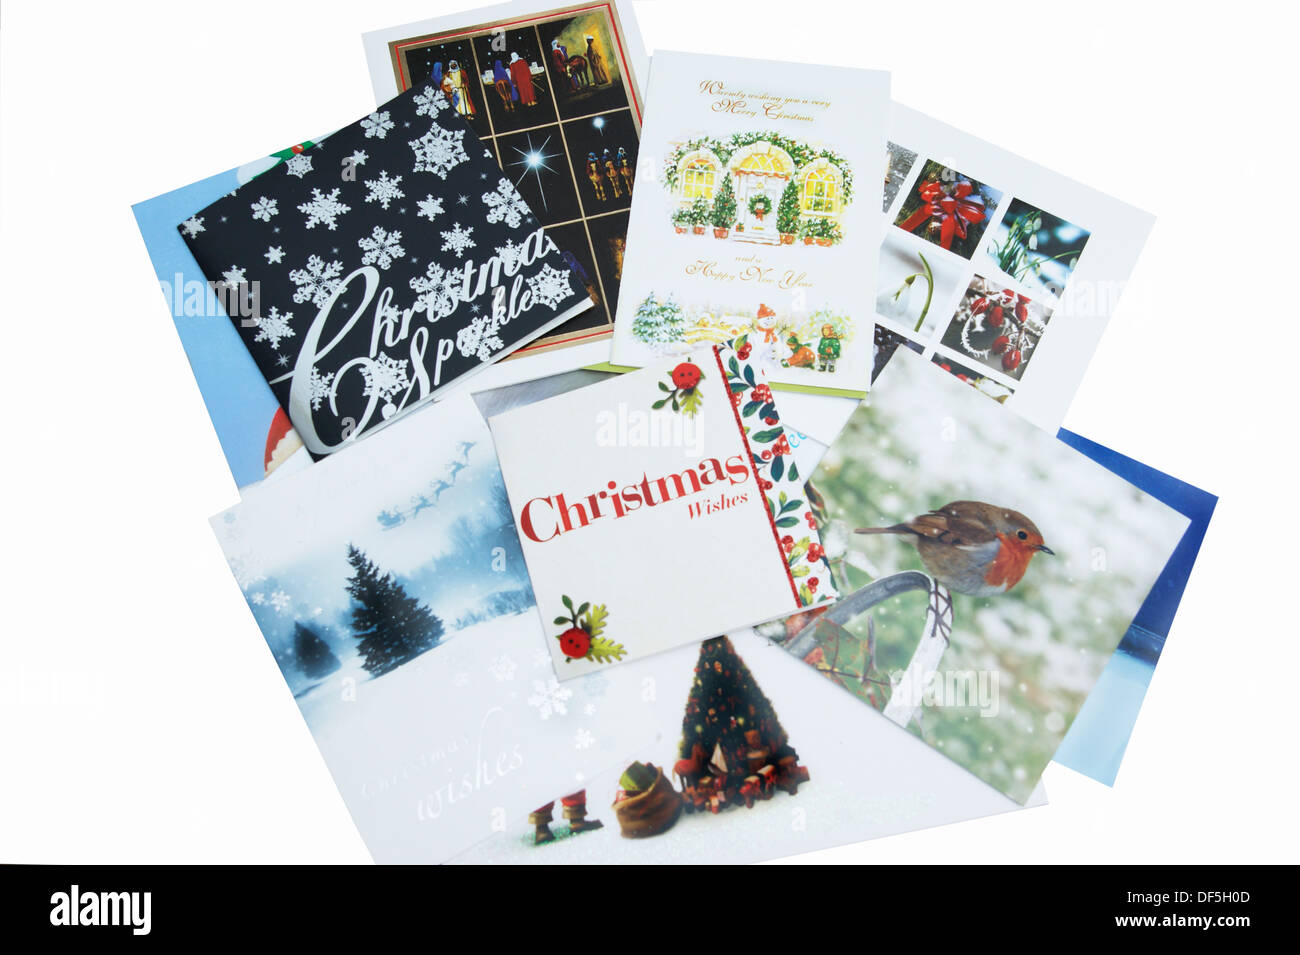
pixel 658 323
pixel 393 626
pixel 314 657
pixel 724 703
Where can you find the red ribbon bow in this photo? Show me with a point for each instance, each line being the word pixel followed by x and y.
pixel 947 207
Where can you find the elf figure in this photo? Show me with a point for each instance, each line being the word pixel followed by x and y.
pixel 574 809
pixel 594 174
pixel 828 349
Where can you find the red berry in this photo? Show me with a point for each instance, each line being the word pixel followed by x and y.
pixel 575 642
pixel 979 305
pixel 995 317
pixel 296 149
pixel 743 352
pixel 812 583
pixel 686 375
pixel 1000 344
pixel 770 421
pixel 815 552
pixel 767 455
pixel 787 542
pixel 1022 311
pixel 1011 360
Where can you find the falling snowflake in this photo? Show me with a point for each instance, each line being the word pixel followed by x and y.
pixel 429 101
pixel 511 256
pixel 506 204
pixel 429 207
pixel 233 275
pixel 358 157
pixel 257 598
pixel 541 658
pixel 589 709
pixel 298 165
pixel 272 327
pixel 264 208
pixel 377 125
pixel 479 338
pixel 385 377
pixel 439 151
pixel 549 697
pixel 383 190
pixel 438 291
pixel 458 239
pixel 583 740
pixel 194 225
pixel 550 286
pixel 280 601
pixel 274 255
pixel 317 282
pixel 503 668
pixel 324 208
pixel 381 247
pixel 319 387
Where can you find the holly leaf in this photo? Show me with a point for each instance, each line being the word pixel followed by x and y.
pixel 750 408
pixel 594 622
pixel 803 571
pixel 788 522
pixel 739 343
pixel 583 608
pixel 749 375
pixel 778 468
pixel 662 386
pixel 733 365
pixel 737 387
pixel 561 621
pixel 792 472
pixel 765 437
pixel 567 602
pixel 659 404
pixel 604 650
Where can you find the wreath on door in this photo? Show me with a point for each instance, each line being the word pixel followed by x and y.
pixel 760 206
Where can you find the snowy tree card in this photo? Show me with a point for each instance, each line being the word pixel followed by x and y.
pixel 988 569
pixel 755 218
pixel 1001 272
pixel 659 508
pixel 368 273
pixel 388 583
pixel 553 91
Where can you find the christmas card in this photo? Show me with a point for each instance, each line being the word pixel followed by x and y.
pixel 999 271
pixel 389 586
pixel 659 508
pixel 553 92
pixel 755 219
pixel 370 272
pixel 988 570
pixel 788 768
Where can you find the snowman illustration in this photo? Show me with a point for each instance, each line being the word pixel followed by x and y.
pixel 767 342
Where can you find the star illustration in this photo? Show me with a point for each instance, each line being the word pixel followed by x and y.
pixel 533 160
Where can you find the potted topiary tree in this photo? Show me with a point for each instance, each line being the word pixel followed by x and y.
pixel 724 209
pixel 808 230
pixel 787 213
pixel 699 212
pixel 681 220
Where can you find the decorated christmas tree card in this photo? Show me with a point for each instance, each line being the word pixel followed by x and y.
pixel 988 571
pixel 660 508
pixel 371 271
pixel 754 219
pixel 387 582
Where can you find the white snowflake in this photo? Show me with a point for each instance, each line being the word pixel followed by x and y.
pixel 194 225
pixel 280 601
pixel 324 208
pixel 438 291
pixel 506 204
pixel 541 658
pixel 257 598
pixel 583 739
pixel 550 286
pixel 439 151
pixel 272 327
pixel 511 256
pixel 429 207
pixel 383 190
pixel 264 208
pixel 274 255
pixel 317 282
pixel 503 668
pixel 589 709
pixel 298 165
pixel 479 338
pixel 381 247
pixel 549 698
pixel 377 125
pixel 319 387
pixel 358 157
pixel 459 238
pixel 384 377
pixel 233 275
pixel 429 101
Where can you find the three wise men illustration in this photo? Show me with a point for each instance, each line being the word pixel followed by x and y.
pixel 504 87
pixel 560 56
pixel 522 76
pixel 596 63
pixel 595 173
pixel 455 84
pixel 625 168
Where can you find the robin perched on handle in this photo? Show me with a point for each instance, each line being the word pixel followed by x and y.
pixel 971 547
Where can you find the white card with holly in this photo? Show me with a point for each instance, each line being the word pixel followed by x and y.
pixel 660 508
pixel 754 218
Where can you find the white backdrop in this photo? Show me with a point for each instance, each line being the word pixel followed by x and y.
pixel 142 718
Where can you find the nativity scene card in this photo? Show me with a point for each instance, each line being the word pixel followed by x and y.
pixel 987 571
pixel 369 272
pixel 755 219
pixel 659 508
pixel 553 93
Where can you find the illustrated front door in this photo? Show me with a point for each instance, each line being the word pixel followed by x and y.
pixel 759 228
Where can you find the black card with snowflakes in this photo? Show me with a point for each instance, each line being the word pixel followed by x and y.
pixel 369 272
